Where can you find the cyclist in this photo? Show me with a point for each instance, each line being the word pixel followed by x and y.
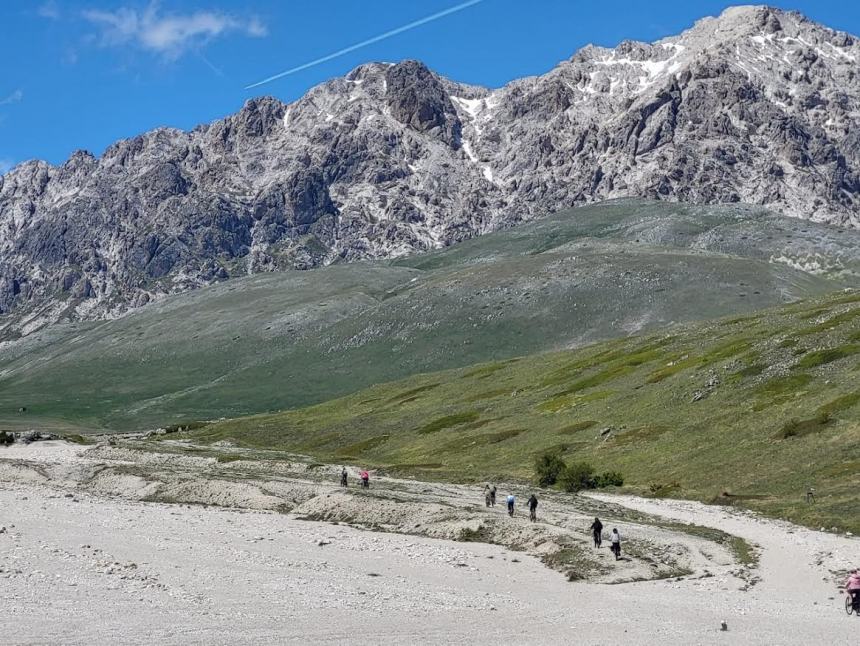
pixel 533 503
pixel 852 588
pixel 597 532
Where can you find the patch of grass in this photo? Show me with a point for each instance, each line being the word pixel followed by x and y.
pixel 448 421
pixel 471 426
pixel 799 428
pixel 597 379
pixel 489 394
pixel 474 441
pixel 74 438
pixel 719 353
pixel 840 403
pixel 576 427
pixel 832 322
pixel 571 560
pixel 743 552
pixel 782 385
pixel 412 393
pixel 821 357
pixel 752 370
pixel 485 371
pixel 562 401
pixel 647 433
pixel 420 466
pixel 364 445
pixel 226 458
pixel 664 489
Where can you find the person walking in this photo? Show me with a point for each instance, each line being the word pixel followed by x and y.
pixel 493 495
pixel 615 539
pixel 487 500
pixel 365 479
pixel 511 501
pixel 533 503
pixel 343 477
pixel 597 532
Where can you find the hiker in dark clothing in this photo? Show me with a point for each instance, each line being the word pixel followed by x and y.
pixel 533 503
pixel 487 500
pixel 343 477
pixel 493 495
pixel 597 532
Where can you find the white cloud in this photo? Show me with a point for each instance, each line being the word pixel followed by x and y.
pixel 169 35
pixel 49 10
pixel 16 97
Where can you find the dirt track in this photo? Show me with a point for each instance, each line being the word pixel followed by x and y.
pixel 82 566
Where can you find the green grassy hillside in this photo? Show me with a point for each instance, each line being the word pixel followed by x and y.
pixel 276 341
pixel 759 407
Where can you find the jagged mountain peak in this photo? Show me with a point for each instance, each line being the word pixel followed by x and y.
pixel 756 105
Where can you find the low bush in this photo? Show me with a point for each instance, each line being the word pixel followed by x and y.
pixel 548 466
pixel 550 469
pixel 609 479
pixel 577 476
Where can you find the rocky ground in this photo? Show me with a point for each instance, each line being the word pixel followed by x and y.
pixel 90 552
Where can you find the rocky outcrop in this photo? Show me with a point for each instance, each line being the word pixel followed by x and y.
pixel 757 106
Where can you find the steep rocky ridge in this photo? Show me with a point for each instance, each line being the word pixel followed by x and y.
pixel 757 105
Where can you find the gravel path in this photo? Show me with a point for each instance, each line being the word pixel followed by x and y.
pixel 76 568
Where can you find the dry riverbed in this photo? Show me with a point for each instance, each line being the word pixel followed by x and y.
pixel 120 544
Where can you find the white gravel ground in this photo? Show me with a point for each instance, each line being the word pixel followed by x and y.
pixel 91 570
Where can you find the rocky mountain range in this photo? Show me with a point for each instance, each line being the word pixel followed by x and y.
pixel 757 105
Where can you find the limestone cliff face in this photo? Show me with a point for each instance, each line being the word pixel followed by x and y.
pixel 757 106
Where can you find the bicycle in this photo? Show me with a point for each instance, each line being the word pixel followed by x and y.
pixel 852 604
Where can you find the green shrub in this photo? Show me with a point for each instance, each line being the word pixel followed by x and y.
pixel 609 479
pixel 576 477
pixel 548 466
pixel 6 438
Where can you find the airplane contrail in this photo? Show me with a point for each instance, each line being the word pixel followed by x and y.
pixel 369 41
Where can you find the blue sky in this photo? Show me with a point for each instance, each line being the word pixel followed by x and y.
pixel 81 74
